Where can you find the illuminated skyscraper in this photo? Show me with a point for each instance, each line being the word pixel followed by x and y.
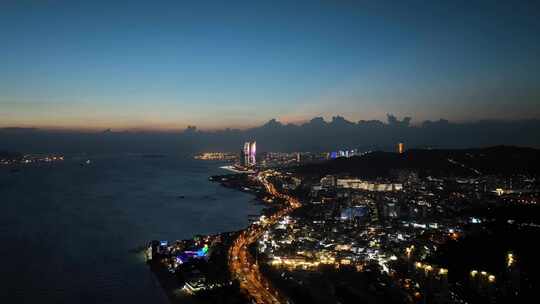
pixel 242 157
pixel 252 153
pixel 401 148
pixel 245 154
pixel 249 154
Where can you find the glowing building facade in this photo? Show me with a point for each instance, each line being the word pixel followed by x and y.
pixel 401 148
pixel 249 154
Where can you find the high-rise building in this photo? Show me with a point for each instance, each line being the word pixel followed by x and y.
pixel 252 152
pixel 248 157
pixel 242 157
pixel 401 148
pixel 246 151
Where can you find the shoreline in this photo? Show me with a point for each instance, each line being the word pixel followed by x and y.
pixel 234 170
pixel 174 284
pixel 174 288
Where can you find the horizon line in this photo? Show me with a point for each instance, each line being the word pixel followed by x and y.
pixel 179 128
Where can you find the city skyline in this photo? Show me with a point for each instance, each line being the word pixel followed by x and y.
pixel 100 65
pixel 268 152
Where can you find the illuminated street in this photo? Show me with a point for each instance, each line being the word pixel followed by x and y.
pixel 241 263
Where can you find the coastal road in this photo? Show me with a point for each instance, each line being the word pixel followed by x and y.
pixel 241 263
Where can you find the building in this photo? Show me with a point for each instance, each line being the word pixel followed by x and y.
pixel 353 183
pixel 390 210
pixel 248 155
pixel 253 153
pixel 344 153
pixel 329 181
pixel 354 213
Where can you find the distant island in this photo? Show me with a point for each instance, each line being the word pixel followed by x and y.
pixel 14 158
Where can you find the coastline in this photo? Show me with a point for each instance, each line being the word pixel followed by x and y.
pixel 173 285
pixel 234 170
pixel 227 293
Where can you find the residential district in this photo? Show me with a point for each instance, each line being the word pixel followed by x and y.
pixel 410 226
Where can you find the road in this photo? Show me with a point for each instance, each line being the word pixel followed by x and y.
pixel 242 265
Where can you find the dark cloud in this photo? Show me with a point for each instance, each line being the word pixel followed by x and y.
pixel 314 135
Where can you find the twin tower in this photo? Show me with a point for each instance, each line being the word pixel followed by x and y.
pixel 247 155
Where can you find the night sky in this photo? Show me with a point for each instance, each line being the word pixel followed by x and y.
pixel 215 64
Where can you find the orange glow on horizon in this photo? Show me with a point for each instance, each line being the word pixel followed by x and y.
pixel 120 127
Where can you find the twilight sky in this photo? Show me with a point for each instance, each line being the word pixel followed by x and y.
pixel 214 64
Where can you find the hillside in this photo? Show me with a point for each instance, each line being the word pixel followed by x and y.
pixel 505 160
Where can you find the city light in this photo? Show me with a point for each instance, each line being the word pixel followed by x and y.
pixel 510 260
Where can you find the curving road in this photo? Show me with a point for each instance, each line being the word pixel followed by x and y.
pixel 242 265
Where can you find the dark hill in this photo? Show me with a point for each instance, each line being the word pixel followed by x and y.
pixel 468 162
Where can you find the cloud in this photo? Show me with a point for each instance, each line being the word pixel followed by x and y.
pixel 316 134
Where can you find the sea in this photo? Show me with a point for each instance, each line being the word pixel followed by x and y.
pixel 71 231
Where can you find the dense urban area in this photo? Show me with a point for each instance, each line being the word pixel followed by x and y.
pixel 409 226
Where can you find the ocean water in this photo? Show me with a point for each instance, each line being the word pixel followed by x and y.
pixel 68 232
